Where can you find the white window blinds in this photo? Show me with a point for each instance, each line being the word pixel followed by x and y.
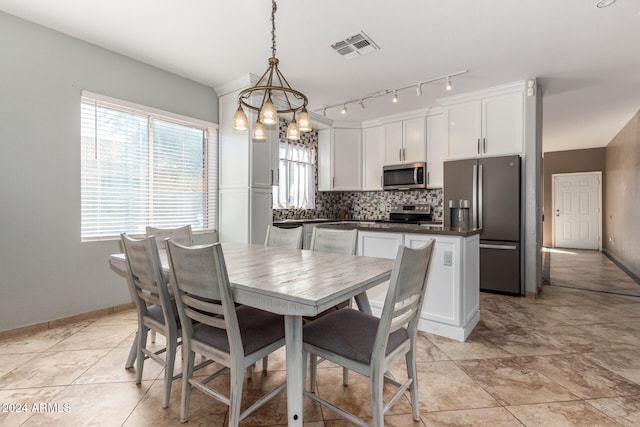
pixel 139 169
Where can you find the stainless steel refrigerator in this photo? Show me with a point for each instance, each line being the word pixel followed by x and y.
pixel 492 187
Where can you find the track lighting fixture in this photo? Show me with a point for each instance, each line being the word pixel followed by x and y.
pixel 385 92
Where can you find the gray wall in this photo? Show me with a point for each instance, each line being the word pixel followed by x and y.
pixel 588 160
pixel 46 273
pixel 622 196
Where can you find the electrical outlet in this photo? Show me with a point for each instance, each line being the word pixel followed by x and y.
pixel 448 258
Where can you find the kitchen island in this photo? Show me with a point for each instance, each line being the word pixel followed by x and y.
pixel 452 304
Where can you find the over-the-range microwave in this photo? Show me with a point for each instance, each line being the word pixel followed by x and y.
pixel 408 176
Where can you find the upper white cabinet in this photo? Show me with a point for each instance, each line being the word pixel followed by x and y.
pixel 436 150
pixel 405 141
pixel 492 125
pixel 373 158
pixel 339 159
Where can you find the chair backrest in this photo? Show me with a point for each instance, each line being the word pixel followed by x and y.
pixel 405 295
pixel 284 237
pixel 203 292
pixel 182 235
pixel 336 241
pixel 147 282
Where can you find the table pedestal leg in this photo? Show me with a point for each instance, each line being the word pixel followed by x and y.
pixel 295 366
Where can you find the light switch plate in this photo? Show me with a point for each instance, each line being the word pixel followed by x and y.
pixel 448 258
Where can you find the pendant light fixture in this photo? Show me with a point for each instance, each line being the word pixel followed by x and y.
pixel 273 84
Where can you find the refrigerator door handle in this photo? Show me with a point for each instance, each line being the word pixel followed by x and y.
pixel 503 247
pixel 480 196
pixel 474 210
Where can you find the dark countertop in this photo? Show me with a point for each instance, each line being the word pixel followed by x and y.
pixel 403 228
pixel 303 221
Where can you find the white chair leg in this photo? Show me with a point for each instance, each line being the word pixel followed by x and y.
pixel 142 343
pixel 345 376
pixel 168 370
pixel 312 375
pixel 235 395
pixel 133 353
pixel 265 363
pixel 376 384
pixel 413 388
pixel 187 374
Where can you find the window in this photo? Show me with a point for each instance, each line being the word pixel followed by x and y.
pixel 296 185
pixel 142 168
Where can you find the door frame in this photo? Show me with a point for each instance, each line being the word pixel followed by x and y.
pixel 553 203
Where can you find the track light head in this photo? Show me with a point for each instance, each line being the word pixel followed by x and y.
pixel 395 97
pixel 419 89
pixel 448 86
pixel 362 103
pixel 344 109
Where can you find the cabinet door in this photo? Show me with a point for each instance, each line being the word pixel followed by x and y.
pixel 261 214
pixel 502 122
pixel 464 130
pixel 436 150
pixel 324 160
pixel 346 158
pixel 264 160
pixel 393 143
pixel 373 156
pixel 415 140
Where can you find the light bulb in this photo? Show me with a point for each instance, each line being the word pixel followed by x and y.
pixel 259 132
pixel 304 121
pixel 293 133
pixel 395 97
pixel 344 110
pixel 240 121
pixel 448 87
pixel 268 113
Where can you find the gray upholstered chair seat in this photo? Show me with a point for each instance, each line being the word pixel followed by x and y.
pixel 356 341
pixel 155 312
pixel 258 329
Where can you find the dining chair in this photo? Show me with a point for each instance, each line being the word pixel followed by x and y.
pixel 234 337
pixel 369 345
pixel 284 237
pixel 182 235
pixel 156 309
pixel 336 241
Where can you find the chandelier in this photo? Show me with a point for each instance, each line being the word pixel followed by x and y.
pixel 272 84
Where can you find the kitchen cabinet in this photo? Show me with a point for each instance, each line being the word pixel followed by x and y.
pixel 492 125
pixel 436 150
pixel 452 304
pixel 339 159
pixel 373 158
pixel 248 170
pixel 405 141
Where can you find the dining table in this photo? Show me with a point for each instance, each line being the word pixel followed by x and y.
pixel 293 283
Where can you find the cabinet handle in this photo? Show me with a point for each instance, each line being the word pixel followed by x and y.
pixel 333 182
pixel 478 149
pixel 428 179
pixel 404 154
pixel 271 177
pixel 381 182
pixel 400 154
pixel 484 145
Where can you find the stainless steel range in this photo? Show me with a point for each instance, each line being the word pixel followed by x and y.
pixel 410 214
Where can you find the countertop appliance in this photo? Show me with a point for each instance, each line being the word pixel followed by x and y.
pixel 408 176
pixel 491 186
pixel 409 214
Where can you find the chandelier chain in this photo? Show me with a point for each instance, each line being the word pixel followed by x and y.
pixel 274 7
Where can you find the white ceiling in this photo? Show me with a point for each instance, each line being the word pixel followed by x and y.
pixel 587 59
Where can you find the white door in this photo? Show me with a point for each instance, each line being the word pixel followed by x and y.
pixel 576 210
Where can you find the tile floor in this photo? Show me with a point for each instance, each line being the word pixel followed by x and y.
pixel 567 358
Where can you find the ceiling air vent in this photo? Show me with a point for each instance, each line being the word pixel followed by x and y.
pixel 355 45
